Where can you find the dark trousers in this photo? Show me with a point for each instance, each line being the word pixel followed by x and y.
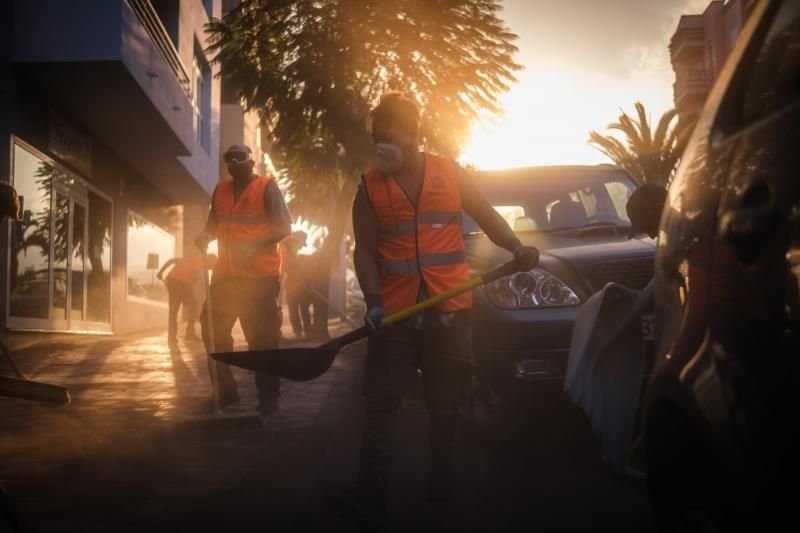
pixel 181 294
pixel 254 301
pixel 393 357
pixel 299 303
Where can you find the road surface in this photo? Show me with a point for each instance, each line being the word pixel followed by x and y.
pixel 123 458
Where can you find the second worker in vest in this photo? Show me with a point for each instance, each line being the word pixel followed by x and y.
pixel 248 218
pixel 180 284
pixel 408 247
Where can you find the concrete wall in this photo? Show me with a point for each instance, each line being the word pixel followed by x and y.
pixel 722 22
pixel 203 163
pixel 240 127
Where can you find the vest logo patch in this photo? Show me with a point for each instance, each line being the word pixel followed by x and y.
pixel 437 183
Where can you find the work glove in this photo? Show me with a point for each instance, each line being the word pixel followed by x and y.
pixel 527 257
pixel 202 241
pixel 374 317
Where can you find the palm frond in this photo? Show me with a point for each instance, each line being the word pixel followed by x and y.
pixel 647 155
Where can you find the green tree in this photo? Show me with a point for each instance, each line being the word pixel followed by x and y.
pixel 314 69
pixel 650 156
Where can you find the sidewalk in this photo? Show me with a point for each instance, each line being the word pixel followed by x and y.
pixel 115 442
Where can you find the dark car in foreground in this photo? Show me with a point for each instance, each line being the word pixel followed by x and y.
pixel 721 410
pixel 575 215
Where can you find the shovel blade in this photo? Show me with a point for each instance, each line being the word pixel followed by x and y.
pixel 296 364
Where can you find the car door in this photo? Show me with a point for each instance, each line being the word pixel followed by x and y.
pixel 753 333
pixel 688 414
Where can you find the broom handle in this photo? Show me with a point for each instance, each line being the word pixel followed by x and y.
pixel 211 340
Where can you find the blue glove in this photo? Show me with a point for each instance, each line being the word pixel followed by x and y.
pixel 374 317
pixel 527 257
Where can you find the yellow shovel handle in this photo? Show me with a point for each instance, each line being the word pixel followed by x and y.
pixel 408 312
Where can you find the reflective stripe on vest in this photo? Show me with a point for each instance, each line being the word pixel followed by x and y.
pixel 186 270
pixel 433 218
pixel 423 243
pixel 240 223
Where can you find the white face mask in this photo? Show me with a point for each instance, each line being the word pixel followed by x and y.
pixel 389 156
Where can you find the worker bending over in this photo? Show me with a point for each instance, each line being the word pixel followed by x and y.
pixel 180 284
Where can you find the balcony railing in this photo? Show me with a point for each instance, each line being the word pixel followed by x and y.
pixel 691 82
pixel 158 34
pixel 696 75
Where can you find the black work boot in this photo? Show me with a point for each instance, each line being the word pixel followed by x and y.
pixel 365 504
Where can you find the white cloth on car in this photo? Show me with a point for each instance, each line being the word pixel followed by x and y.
pixel 606 365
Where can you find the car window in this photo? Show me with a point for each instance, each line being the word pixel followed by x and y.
pixel 515 217
pixel 773 79
pixel 589 201
pixel 546 203
pixel 618 193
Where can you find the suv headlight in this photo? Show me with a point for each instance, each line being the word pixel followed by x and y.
pixel 536 288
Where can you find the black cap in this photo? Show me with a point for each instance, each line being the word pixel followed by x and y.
pixel 644 205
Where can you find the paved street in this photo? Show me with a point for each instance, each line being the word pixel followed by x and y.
pixel 123 457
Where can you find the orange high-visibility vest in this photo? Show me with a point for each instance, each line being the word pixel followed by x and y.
pixel 186 270
pixel 241 222
pixel 422 244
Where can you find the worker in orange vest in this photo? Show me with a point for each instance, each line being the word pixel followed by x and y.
pixel 180 284
pixel 248 218
pixel 408 247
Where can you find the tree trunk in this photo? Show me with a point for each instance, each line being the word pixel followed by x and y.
pixel 337 225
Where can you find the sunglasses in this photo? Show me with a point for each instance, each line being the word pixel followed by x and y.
pixel 237 157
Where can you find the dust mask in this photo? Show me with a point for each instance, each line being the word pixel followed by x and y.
pixel 389 156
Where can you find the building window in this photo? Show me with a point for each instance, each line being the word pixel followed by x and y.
pixel 59 275
pixel 149 246
pixel 201 98
pixel 209 5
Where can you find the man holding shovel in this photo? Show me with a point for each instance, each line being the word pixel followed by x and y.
pixel 407 223
pixel 248 218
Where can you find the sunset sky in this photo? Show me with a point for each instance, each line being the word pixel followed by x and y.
pixel 583 60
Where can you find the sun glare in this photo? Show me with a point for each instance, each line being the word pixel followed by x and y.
pixel 548 115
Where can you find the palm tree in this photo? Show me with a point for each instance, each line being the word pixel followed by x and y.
pixel 649 157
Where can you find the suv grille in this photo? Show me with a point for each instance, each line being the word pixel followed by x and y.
pixel 633 273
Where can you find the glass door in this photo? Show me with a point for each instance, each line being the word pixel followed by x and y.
pixel 60 260
pixel 29 260
pixel 69 257
pixel 60 263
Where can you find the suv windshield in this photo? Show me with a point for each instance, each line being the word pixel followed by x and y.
pixel 555 199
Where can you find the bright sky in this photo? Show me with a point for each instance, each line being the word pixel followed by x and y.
pixel 583 60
